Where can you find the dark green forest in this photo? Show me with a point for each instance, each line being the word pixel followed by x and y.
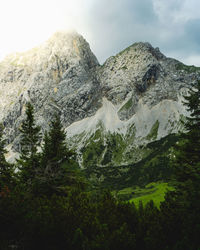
pixel 47 202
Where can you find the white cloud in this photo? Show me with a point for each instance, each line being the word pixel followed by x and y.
pixel 176 11
pixel 190 10
pixel 192 60
pixel 24 24
pixel 109 26
pixel 167 11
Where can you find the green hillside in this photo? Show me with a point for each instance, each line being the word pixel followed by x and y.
pixel 153 191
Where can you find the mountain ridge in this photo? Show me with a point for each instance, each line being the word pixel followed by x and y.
pixel 138 91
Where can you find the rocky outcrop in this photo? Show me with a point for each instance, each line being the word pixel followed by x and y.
pixel 134 96
pixel 142 102
pixel 58 76
pixel 141 72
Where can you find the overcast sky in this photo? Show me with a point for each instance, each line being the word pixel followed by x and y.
pixel 108 25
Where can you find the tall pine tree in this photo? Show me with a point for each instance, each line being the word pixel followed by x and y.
pixel 187 153
pixel 56 158
pixel 55 151
pixel 28 161
pixel 6 169
pixel 181 209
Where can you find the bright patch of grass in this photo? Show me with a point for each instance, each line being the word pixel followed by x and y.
pixel 127 105
pixel 154 131
pixel 152 191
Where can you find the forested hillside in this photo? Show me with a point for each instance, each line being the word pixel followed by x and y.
pixel 47 202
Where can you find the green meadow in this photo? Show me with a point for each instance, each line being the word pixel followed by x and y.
pixel 153 191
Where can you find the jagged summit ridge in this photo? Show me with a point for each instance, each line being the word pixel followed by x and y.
pixel 140 71
pixel 64 44
pixel 130 95
pixel 57 76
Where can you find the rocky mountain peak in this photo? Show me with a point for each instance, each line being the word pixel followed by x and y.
pixel 71 44
pixel 57 76
pixel 145 47
pixel 68 46
pixel 141 72
pixel 137 91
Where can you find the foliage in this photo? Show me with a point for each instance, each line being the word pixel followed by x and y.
pixel 187 68
pixel 78 221
pixel 183 204
pixel 58 170
pixel 94 151
pixel 95 219
pixel 153 191
pixel 127 105
pixel 187 152
pixel 154 131
pixel 28 161
pixel 54 147
pixel 156 166
pixel 6 169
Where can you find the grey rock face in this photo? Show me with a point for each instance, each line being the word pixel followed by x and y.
pixel 64 76
pixel 142 72
pixel 56 77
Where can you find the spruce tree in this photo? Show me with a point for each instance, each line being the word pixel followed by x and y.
pixel 181 208
pixel 187 152
pixel 3 151
pixel 56 158
pixel 28 161
pixel 55 150
pixel 6 169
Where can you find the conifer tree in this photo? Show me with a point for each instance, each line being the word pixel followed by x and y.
pixel 3 151
pixel 54 149
pixel 6 169
pixel 56 157
pixel 181 209
pixel 187 152
pixel 28 161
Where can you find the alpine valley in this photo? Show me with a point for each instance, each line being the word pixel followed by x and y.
pixel 118 116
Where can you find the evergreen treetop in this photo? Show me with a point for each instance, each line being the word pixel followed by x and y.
pixel 187 152
pixel 28 161
pixel 55 150
pixel 58 169
pixel 6 169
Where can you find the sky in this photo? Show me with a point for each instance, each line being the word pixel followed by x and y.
pixel 108 25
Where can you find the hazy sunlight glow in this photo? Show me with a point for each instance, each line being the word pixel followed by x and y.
pixel 27 23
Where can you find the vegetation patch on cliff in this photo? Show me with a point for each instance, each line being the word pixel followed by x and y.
pixel 187 68
pixel 153 132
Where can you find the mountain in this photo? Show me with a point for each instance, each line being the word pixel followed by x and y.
pixel 57 76
pixel 111 112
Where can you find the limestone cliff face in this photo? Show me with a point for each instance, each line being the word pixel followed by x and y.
pixel 142 102
pixel 56 77
pixel 142 73
pixel 132 99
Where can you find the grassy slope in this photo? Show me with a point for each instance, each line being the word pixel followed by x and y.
pixel 153 191
pixel 152 168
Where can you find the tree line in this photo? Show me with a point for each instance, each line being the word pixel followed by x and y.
pixel 45 202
